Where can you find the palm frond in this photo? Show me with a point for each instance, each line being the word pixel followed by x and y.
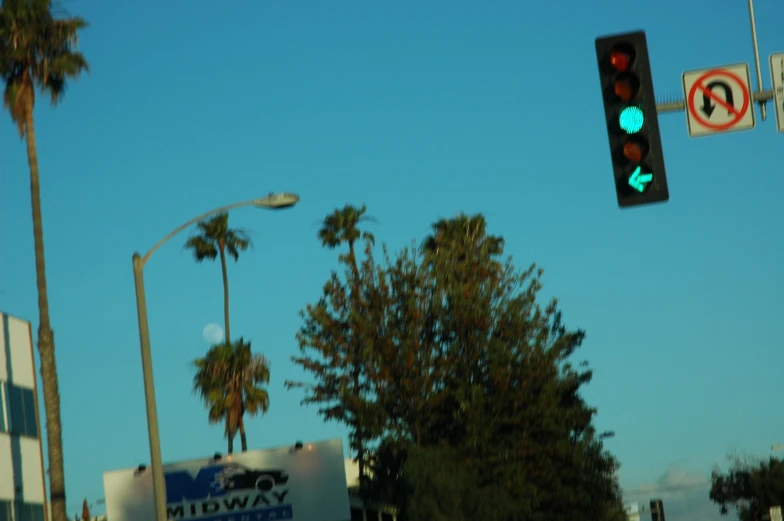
pixel 236 241
pixel 231 381
pixel 211 235
pixel 202 249
pixel 342 226
pixel 37 49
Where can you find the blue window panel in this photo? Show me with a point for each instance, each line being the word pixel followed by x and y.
pixel 16 409
pixel 21 408
pixel 23 512
pixel 31 427
pixel 3 426
pixel 5 510
pixel 38 512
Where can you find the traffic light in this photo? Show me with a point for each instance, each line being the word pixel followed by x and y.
pixel 632 122
pixel 657 510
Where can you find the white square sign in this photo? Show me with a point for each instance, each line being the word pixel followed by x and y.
pixel 718 100
pixel 281 484
pixel 777 76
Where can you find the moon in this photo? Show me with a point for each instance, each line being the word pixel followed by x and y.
pixel 212 333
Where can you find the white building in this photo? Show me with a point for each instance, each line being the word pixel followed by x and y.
pixel 632 511
pixel 361 511
pixel 22 485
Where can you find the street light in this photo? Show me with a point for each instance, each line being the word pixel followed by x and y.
pixel 271 202
pixel 607 434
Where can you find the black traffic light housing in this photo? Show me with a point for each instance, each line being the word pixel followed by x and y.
pixel 657 510
pixel 632 122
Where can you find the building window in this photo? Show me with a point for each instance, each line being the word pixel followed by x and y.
pixel 3 426
pixel 5 510
pixel 22 511
pixel 30 416
pixel 22 411
pixel 29 512
pixel 38 512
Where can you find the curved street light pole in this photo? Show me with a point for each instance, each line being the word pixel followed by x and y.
pixel 271 202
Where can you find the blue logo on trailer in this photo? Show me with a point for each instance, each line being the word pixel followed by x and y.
pixel 222 492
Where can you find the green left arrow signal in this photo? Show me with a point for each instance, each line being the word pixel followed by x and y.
pixel 638 180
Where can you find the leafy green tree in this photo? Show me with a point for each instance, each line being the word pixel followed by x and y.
pixel 478 402
pixel 38 50
pixel 750 487
pixel 215 239
pixel 460 237
pixel 407 371
pixel 231 381
pixel 445 489
pixel 334 340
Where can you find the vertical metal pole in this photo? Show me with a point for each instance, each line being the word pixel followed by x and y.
pixel 762 103
pixel 158 483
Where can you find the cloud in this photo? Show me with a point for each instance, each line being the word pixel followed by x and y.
pixel 685 497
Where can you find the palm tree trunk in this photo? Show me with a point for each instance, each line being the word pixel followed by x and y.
pixel 234 419
pixel 54 438
pixel 243 439
pixel 359 432
pixel 356 371
pixel 222 250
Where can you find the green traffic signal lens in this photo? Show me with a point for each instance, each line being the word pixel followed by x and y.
pixel 640 179
pixel 631 120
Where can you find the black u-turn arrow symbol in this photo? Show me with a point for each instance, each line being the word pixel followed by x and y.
pixel 708 107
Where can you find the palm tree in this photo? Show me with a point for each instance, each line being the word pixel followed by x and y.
pixel 216 239
pixel 230 379
pixel 37 50
pixel 461 231
pixel 342 227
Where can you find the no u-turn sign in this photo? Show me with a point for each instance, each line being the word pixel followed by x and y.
pixel 718 100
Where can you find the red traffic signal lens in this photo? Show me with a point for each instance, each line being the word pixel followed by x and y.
pixel 626 86
pixel 621 57
pixel 632 151
pixel 620 60
pixel 635 149
pixel 624 89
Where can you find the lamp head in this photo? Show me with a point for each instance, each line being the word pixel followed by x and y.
pixel 277 201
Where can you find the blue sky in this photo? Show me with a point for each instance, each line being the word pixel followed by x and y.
pixel 419 110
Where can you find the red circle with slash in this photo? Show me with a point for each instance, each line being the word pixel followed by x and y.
pixel 737 113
